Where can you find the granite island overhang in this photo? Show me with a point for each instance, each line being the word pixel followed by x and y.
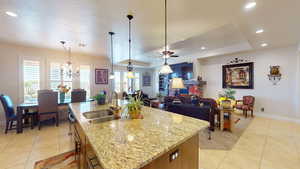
pixel 138 143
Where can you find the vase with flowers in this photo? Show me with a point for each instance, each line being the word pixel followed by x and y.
pixel 134 107
pixel 63 89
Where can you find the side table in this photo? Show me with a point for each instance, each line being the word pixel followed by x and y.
pixel 226 119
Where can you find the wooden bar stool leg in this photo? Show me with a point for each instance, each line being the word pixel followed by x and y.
pixel 6 126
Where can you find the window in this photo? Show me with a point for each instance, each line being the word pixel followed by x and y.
pixel 85 74
pixel 117 82
pixel 56 78
pixel 137 81
pixel 123 84
pixel 31 79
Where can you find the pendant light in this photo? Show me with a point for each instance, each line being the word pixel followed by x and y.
pixel 166 69
pixel 129 67
pixel 112 75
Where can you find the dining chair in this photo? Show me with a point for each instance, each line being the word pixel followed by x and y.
pixel 78 95
pixel 48 107
pixel 10 114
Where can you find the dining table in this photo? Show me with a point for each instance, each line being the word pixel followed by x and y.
pixel 25 107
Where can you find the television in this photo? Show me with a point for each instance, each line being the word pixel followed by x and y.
pixel 182 70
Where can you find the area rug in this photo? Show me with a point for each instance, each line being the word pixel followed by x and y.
pixel 225 140
pixel 61 161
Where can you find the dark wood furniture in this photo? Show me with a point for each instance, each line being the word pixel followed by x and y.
pixel 78 95
pixel 187 156
pixel 11 116
pixel 247 105
pixel 48 107
pixel 23 107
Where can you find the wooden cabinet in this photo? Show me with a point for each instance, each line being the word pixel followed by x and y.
pixel 79 144
pixel 187 157
pixel 85 156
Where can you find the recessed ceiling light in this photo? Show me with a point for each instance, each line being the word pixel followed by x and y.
pixel 203 48
pixel 250 5
pixel 259 31
pixel 264 45
pixel 12 14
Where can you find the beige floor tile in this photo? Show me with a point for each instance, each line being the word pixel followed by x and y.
pixel 13 158
pixel 281 145
pixel 39 153
pixel 66 144
pixel 235 160
pixel 18 166
pixel 211 158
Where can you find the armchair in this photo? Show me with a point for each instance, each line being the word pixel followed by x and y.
pixel 247 105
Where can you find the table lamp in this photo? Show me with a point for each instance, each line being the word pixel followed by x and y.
pixel 177 83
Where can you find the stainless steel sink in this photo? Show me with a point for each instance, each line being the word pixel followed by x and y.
pixel 99 116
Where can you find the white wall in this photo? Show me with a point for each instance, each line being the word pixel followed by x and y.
pixel 279 100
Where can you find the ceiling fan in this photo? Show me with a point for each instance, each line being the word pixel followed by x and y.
pixel 169 53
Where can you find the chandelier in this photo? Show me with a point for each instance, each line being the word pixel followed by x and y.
pixel 66 69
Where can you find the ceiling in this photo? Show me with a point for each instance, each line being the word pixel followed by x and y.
pixel 221 26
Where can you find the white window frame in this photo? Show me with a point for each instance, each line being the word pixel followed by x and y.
pixel 89 93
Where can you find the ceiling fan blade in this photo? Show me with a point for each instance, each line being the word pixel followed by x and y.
pixel 174 56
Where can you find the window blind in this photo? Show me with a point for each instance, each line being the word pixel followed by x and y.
pixel 31 80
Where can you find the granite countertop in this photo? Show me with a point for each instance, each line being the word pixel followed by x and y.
pixel 132 144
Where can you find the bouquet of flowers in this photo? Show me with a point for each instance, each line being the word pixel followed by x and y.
pixel 63 88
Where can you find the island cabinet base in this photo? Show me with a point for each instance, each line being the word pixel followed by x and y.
pixel 184 156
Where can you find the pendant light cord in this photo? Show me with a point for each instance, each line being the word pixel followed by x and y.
pixel 112 51
pixel 129 50
pixel 166 33
pixel 130 17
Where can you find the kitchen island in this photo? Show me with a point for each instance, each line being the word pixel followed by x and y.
pixel 160 140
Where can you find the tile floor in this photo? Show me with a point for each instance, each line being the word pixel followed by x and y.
pixel 265 144
pixel 20 151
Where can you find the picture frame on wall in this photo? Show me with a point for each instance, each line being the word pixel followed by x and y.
pixel 101 76
pixel 146 80
pixel 238 76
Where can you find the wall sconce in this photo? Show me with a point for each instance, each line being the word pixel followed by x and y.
pixel 275 75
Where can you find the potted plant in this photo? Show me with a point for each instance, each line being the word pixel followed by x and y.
pixel 227 97
pixel 63 89
pixel 101 97
pixel 134 107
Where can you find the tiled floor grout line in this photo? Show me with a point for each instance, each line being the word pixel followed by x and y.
pixel 34 142
pixel 219 165
pixel 263 151
pixel 264 146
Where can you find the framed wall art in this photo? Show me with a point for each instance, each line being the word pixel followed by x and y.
pixel 101 76
pixel 238 76
pixel 146 80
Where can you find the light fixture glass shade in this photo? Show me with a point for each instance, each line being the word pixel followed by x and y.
pixel 177 83
pixel 111 76
pixel 165 69
pixel 130 75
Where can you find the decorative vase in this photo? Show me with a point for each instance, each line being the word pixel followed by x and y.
pixel 226 104
pixel 62 97
pixel 135 114
pixel 101 101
